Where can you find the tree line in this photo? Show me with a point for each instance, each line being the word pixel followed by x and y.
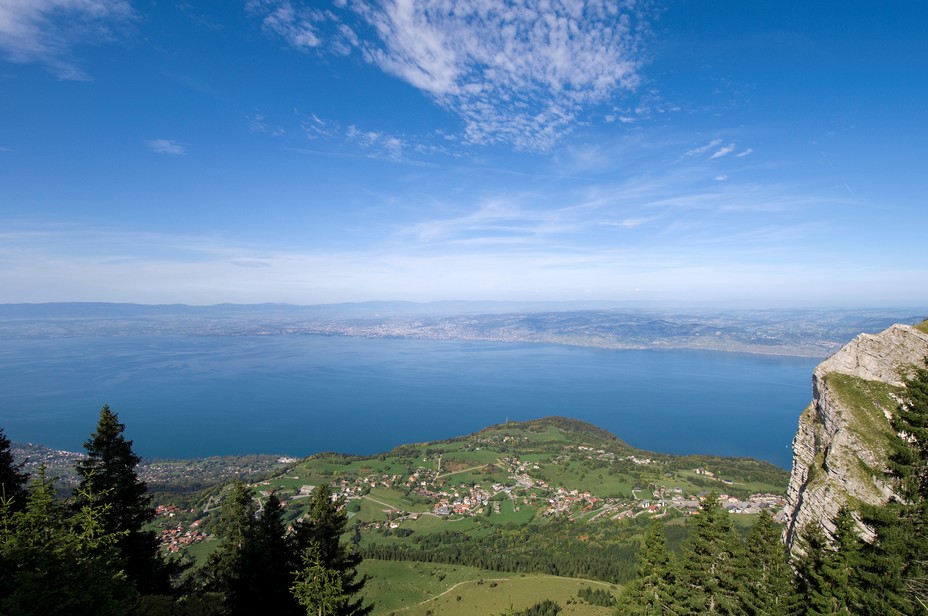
pixel 555 548
pixel 92 553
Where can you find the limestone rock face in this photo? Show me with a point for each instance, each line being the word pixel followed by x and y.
pixel 839 451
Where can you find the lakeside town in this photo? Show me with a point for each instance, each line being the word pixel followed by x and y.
pixel 808 333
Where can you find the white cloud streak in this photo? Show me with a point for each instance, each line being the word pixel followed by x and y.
pixel 724 151
pixel 515 73
pixel 702 149
pixel 166 146
pixel 296 25
pixel 46 31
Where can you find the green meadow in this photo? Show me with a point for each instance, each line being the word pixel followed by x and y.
pixel 418 589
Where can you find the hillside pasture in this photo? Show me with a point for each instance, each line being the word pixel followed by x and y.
pixel 417 589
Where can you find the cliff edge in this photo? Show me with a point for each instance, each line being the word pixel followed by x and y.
pixel 839 451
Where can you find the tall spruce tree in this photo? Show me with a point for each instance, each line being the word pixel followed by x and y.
pixel 707 581
pixel 226 567
pixel 826 574
pixel 651 593
pixel 319 540
pixel 110 468
pixel 765 577
pixel 252 570
pixel 271 561
pixel 12 478
pixel 317 587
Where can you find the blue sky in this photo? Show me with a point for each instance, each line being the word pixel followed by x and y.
pixel 734 153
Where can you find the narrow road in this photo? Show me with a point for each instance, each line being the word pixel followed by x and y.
pixel 379 502
pixel 465 470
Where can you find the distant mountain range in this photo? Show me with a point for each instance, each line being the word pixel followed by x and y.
pixel 815 333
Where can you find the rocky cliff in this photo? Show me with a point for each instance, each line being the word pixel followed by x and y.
pixel 839 451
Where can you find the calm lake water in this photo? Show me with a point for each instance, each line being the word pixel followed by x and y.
pixel 298 395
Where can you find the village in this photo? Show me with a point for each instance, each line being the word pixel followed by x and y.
pixel 451 502
pixel 175 536
pixel 433 492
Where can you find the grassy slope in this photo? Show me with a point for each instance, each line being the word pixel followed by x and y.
pixel 866 403
pixel 414 588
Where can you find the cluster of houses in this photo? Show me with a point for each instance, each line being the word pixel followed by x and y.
pixel 175 538
pixel 754 504
pixel 466 500
pixel 525 489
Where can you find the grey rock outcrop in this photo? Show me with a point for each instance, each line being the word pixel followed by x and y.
pixel 839 451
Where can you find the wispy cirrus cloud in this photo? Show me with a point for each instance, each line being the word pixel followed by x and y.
pixel 46 31
pixel 498 220
pixel 166 146
pixel 294 23
pixel 355 140
pixel 388 146
pixel 520 74
pixel 723 151
pixel 702 149
pixel 717 152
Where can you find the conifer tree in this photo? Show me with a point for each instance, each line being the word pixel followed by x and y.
pixel 827 571
pixel 766 586
pixel 226 567
pixel 110 467
pixel 252 570
pixel 270 562
pixel 12 478
pixel 317 587
pixel 650 594
pixel 811 585
pixel 57 561
pixel 320 536
pixel 707 579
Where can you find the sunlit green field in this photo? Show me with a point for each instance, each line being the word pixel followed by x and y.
pixel 417 588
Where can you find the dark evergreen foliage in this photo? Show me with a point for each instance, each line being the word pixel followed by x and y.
pixel 556 548
pixel 110 466
pixel 546 607
pixel 319 541
pixel 823 575
pixel 252 569
pixel 893 577
pixel 12 478
pixel 652 592
pixel 707 580
pixel 260 567
pixel 54 560
pixel 596 596
pixel 765 578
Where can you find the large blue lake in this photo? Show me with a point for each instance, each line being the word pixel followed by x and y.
pixel 298 395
